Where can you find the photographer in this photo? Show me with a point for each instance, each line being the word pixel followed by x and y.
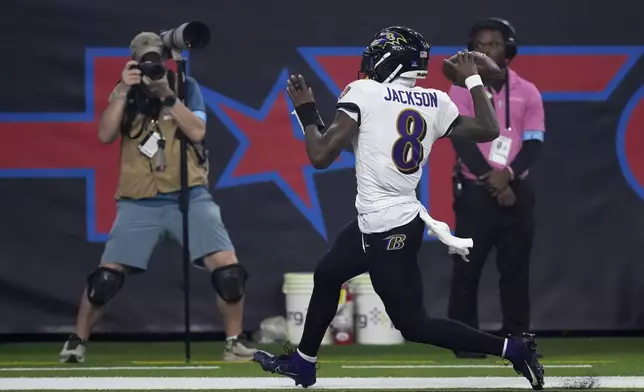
pixel 144 111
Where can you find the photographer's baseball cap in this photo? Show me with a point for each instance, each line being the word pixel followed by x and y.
pixel 144 43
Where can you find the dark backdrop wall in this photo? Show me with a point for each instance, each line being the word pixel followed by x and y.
pixel 61 59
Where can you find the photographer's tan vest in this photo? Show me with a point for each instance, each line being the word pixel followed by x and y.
pixel 138 179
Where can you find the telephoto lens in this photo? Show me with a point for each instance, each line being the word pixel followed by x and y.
pixel 190 35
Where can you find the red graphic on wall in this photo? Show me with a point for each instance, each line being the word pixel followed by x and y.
pixel 66 145
pixel 630 142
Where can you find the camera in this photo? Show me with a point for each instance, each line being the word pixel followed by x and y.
pixel 153 68
pixel 190 35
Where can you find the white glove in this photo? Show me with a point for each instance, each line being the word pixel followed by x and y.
pixel 440 230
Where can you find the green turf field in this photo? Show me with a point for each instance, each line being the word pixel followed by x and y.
pixel 571 363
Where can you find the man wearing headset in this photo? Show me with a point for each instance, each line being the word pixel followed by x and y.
pixel 493 200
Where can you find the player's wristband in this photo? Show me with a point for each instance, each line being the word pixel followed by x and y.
pixel 307 114
pixel 473 81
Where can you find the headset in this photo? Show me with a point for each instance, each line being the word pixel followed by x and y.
pixel 502 25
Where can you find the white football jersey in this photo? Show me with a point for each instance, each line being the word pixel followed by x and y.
pixel 398 125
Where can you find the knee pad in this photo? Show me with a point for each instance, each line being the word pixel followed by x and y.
pixel 229 282
pixel 103 284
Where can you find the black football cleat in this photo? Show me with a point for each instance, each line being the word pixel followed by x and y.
pixel 522 352
pixel 289 365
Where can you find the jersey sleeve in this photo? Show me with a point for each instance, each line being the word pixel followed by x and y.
pixel 447 114
pixel 534 120
pixel 194 99
pixel 353 100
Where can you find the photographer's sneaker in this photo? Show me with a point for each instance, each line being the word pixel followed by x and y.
pixel 73 350
pixel 238 350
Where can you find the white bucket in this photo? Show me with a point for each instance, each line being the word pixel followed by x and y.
pixel 373 325
pixel 298 288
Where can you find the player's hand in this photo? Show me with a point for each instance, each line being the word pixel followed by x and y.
pixel 159 88
pixel 130 77
pixel 506 198
pixel 464 67
pixel 298 91
pixel 496 180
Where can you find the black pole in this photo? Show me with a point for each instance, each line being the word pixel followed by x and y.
pixel 184 203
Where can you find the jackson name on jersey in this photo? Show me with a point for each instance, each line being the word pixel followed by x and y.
pixel 398 123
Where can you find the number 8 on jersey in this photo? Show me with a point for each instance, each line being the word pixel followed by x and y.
pixel 407 151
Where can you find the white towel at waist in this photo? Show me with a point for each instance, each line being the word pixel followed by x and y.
pixel 441 231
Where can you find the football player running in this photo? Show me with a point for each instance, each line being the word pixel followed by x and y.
pixel 392 125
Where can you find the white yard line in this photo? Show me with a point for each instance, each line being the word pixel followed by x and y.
pixel 225 383
pixel 452 366
pixel 104 368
